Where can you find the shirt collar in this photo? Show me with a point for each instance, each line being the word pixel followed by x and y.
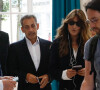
pixel 28 41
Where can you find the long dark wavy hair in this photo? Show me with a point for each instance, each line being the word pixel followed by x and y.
pixel 62 31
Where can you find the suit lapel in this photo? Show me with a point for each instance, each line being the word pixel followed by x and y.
pixel 42 51
pixel 28 56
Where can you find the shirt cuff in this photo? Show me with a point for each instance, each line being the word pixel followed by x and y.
pixel 1 85
pixel 64 75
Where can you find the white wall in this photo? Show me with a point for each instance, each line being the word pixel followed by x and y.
pixel 83 3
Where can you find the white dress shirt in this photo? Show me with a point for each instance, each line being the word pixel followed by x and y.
pixel 64 73
pixel 1 85
pixel 34 50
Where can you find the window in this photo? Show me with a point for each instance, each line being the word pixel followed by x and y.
pixel 11 12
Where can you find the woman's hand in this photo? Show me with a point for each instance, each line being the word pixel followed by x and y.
pixel 81 72
pixel 71 73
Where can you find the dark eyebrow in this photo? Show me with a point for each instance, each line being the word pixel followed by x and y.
pixel 93 17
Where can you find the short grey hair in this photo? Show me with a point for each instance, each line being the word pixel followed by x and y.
pixel 27 17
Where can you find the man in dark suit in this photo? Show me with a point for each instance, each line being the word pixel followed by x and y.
pixel 6 83
pixel 4 44
pixel 29 58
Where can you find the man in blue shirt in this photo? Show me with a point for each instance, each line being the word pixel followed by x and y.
pixel 93 13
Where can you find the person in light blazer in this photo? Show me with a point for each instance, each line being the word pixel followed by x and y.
pixel 29 58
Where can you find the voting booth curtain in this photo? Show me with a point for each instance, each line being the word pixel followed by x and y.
pixel 60 8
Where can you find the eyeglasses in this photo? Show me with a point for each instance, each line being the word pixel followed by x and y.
pixel 94 20
pixel 78 23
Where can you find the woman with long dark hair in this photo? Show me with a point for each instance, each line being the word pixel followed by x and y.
pixel 67 64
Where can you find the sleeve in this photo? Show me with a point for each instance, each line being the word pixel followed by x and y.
pixel 13 63
pixel 86 50
pixel 55 70
pixel 1 85
pixel 64 75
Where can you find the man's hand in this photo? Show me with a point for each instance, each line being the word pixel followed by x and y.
pixel 8 84
pixel 44 81
pixel 31 78
pixel 6 77
pixel 71 73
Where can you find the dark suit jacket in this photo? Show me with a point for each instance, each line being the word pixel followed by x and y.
pixel 20 63
pixel 4 44
pixel 59 64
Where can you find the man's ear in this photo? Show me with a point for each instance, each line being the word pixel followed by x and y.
pixel 37 26
pixel 22 29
